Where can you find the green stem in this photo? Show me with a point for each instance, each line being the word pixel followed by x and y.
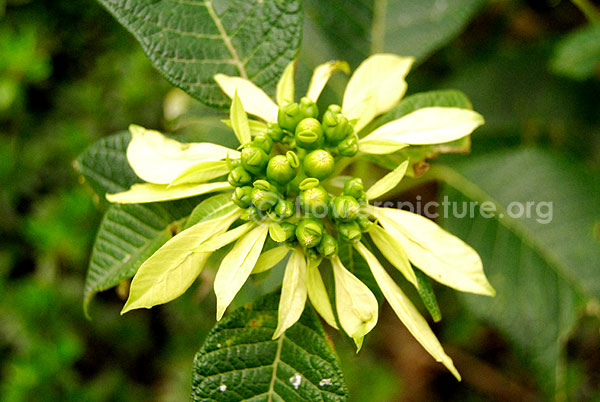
pixel 378 26
pixel 588 9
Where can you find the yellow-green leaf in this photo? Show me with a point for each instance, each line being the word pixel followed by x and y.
pixel 171 270
pixel 239 120
pixel 254 100
pixel 429 125
pixel 394 252
pixel 321 75
pixel 256 127
pixel 216 242
pixel 293 293
pixel 237 266
pixel 356 305
pixel 268 259
pixel 150 192
pixel 379 146
pixel 387 182
pixel 317 293
pixel 276 232
pixel 201 172
pixel 441 255
pixel 158 159
pixel 378 81
pixel 285 86
pixel 406 311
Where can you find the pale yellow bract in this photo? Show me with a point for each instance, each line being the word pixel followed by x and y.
pixel 175 170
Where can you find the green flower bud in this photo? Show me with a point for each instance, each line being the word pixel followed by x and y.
pixel 354 187
pixel 232 163
pixel 364 223
pixel 263 142
pixel 311 254
pixel 290 231
pixel 349 231
pixel 309 232
pixel 328 246
pixel 264 200
pixel 251 214
pixel 308 183
pixel 335 127
pixel 309 133
pixel 242 196
pixel 239 177
pixel 345 208
pixel 319 164
pixel 314 200
pixel 284 209
pixel 262 185
pixel 333 108
pixel 308 108
pixel 280 169
pixel 289 116
pixel 274 132
pixel 349 146
pixel 254 159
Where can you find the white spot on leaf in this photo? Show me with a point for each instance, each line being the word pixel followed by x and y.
pixel 296 380
pixel 325 381
pixel 222 387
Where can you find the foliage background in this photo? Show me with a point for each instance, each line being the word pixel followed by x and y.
pixel 69 74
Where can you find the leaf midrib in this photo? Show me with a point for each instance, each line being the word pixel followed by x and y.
pixel 237 61
pixel 275 365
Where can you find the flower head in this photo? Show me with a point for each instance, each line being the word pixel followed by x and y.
pixel 277 187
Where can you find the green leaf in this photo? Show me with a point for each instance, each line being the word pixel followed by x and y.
pixel 542 268
pixel 190 41
pixel 409 28
pixel 128 234
pixel 427 295
pixel 210 208
pixel 105 167
pixel 418 154
pixel 240 361
pixel 577 55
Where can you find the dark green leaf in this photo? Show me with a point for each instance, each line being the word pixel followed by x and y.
pixel 239 360
pixel 541 266
pixel 191 41
pixel 104 165
pixel 577 56
pixel 353 30
pixel 426 292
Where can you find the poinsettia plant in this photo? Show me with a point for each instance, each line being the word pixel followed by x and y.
pixel 280 199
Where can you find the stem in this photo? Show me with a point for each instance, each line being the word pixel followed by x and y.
pixel 588 9
pixel 378 27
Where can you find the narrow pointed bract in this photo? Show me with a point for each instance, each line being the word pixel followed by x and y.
pixel 406 311
pixel 237 266
pixel 442 256
pixel 321 75
pixel 293 292
pixel 159 159
pixel 174 267
pixel 356 305
pixel 430 125
pixel 150 192
pixel 317 293
pixel 254 100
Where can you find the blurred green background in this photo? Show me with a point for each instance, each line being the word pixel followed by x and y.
pixel 69 75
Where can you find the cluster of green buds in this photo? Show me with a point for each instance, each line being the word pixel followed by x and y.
pixel 280 173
